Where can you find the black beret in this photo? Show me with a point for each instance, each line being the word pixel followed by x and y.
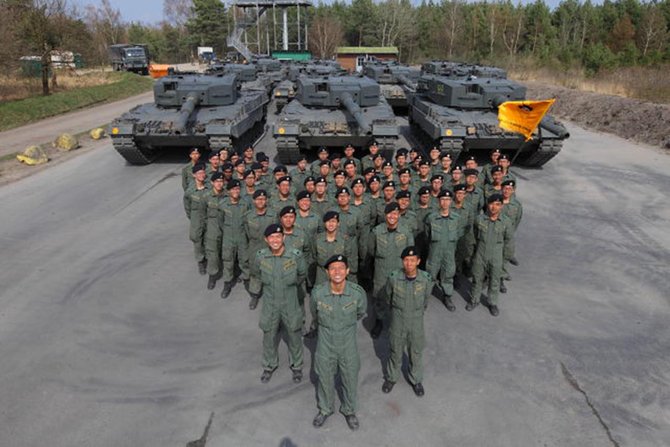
pixel 471 157
pixel 404 171
pixel 335 156
pixel 403 195
pixel 339 172
pixel 494 198
pixel 349 162
pixel 424 163
pixel 331 215
pixel 321 150
pixel 194 149
pixel 272 229
pixel 260 156
pixel 249 172
pixel 216 176
pixel 468 172
pixel 503 157
pixel 437 177
pixel 198 167
pixel 349 146
pixel 445 155
pixel 496 169
pixel 387 164
pixel 227 167
pixel 509 182
pixel 373 143
pixel 357 181
pixel 423 190
pixel 393 206
pixel 279 168
pixel 413 150
pixel 256 166
pixel 336 258
pixel 234 183
pixel 263 158
pixel 434 148
pixel 302 195
pixel 445 193
pixel 376 156
pixel 238 162
pixel 409 251
pixel 342 190
pixel 457 168
pixel 374 178
pixel 320 180
pixel 368 170
pixel 309 178
pixel 401 151
pixel 285 178
pixel 324 163
pixel 460 187
pixel 287 210
pixel 389 184
pixel 301 157
pixel 213 154
pixel 248 147
pixel 260 193
pixel 495 151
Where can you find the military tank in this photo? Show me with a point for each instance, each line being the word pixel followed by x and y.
pixel 334 111
pixel 284 91
pixel 459 70
pixel 460 116
pixel 396 81
pixel 194 110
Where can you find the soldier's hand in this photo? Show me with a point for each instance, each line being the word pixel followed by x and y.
pixel 513 261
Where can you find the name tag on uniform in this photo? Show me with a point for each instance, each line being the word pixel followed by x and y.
pixel 348 305
pixel 289 264
pixel 324 306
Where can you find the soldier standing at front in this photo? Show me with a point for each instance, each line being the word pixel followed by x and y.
pixel 406 293
pixel 337 305
pixel 234 241
pixel 282 271
pixel 494 236
pixel 195 205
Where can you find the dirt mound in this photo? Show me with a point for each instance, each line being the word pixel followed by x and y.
pixel 628 118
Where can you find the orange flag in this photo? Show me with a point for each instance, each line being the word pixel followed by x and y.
pixel 522 116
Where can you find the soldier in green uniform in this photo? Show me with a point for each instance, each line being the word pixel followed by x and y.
pixel 466 244
pixel 248 157
pixel 456 177
pixel 234 241
pixel 434 156
pixel 486 169
pixel 300 172
pixel 513 210
pixel 407 292
pixel 255 221
pixel 351 221
pixel 213 230
pixel 388 196
pixel 349 155
pixel 401 159
pixel 350 170
pixel 407 216
pixel 248 187
pixel 475 194
pixel 214 164
pixel 282 196
pixel 495 185
pixel 315 167
pixel 368 213
pixel 282 271
pixel 443 229
pixel 187 171
pixel 306 219
pixel 294 237
pixel 444 166
pixel 330 242
pixel 369 160
pixel 422 208
pixel 504 163
pixel 405 180
pixel 495 242
pixel 195 205
pixel 387 242
pixel 320 200
pixel 423 179
pixel 337 306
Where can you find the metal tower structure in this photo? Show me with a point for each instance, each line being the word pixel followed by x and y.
pixel 257 19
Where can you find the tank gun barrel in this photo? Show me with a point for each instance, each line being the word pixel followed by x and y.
pixel 406 81
pixel 355 110
pixel 551 125
pixel 179 124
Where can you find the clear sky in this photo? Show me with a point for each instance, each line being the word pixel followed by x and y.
pixel 151 11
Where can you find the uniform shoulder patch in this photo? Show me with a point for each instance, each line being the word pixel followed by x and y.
pixel 295 252
pixel 356 287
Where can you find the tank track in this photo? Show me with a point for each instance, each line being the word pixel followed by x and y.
pixel 217 142
pixel 288 151
pixel 546 150
pixel 131 152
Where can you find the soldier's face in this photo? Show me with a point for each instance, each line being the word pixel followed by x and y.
pixel 250 180
pixel 304 204
pixel 223 155
pixel 309 187
pixel 258 173
pixel 471 180
pixel 374 187
pixel 434 154
pixel 436 184
pixel 284 187
pixel 494 208
pixel 335 163
pixel 337 272
pixel 358 189
pixel 261 202
pixel 403 203
pixel 446 163
pixel 240 168
pixel 275 241
pixel 388 171
pixel 497 176
pixel 445 203
pixel 324 170
pixel 379 161
pixel 388 193
pixel 392 218
pixel 288 220
pixel 279 175
pixel 343 199
pixel 374 149
pixel 460 196
pixel 323 155
pixel 320 188
pixel 504 163
pixel 424 170
pixel 405 178
pixel 410 265
pixel 200 176
pixel 401 160
pixel 508 191
pixel 234 193
pixel 351 170
pixel 302 165
pixel 471 164
pixel 331 225
pixel 495 156
pixel 424 199
pixel 214 161
pixel 195 156
pixel 248 153
pixel 348 151
pixel 218 185
pixel 339 180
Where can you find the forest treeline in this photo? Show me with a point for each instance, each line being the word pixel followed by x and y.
pixel 621 33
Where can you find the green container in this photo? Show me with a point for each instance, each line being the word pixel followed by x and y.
pixel 291 55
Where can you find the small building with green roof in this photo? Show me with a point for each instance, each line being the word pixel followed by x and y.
pixel 353 58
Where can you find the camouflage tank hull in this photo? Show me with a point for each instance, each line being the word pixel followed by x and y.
pixel 302 128
pixel 140 134
pixel 461 132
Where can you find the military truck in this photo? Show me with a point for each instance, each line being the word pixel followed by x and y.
pixel 460 116
pixel 396 81
pixel 191 110
pixel 462 70
pixel 335 111
pixel 129 57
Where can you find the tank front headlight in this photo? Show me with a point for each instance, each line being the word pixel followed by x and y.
pixel 448 132
pixel 281 131
pixel 115 130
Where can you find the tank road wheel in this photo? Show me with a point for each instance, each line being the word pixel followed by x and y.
pixel 545 151
pixel 452 146
pixel 131 152
pixel 288 151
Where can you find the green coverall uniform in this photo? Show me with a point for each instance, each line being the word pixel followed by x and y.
pixel 234 241
pixel 336 346
pixel 254 226
pixel 443 234
pixel 195 205
pixel 281 276
pixel 213 233
pixel 407 300
pixel 495 241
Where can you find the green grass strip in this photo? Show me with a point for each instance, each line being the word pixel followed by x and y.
pixel 18 113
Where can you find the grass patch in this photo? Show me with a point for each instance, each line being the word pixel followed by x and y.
pixel 18 113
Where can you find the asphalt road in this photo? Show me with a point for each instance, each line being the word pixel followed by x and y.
pixel 108 336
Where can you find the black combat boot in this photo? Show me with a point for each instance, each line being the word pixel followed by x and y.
pixel 254 300
pixel 297 375
pixel 227 288
pixel 449 304
pixel 494 310
pixel 418 389
pixel 319 419
pixel 202 267
pixel 352 421
pixel 266 376
pixel 387 386
pixel 503 288
pixel 471 305
pixel 376 330
pixel 211 282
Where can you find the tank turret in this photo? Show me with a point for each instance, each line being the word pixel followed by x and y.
pixel 328 92
pixel 397 82
pixel 470 93
pixel 460 70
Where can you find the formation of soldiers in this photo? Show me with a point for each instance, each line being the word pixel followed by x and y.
pixel 341 229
